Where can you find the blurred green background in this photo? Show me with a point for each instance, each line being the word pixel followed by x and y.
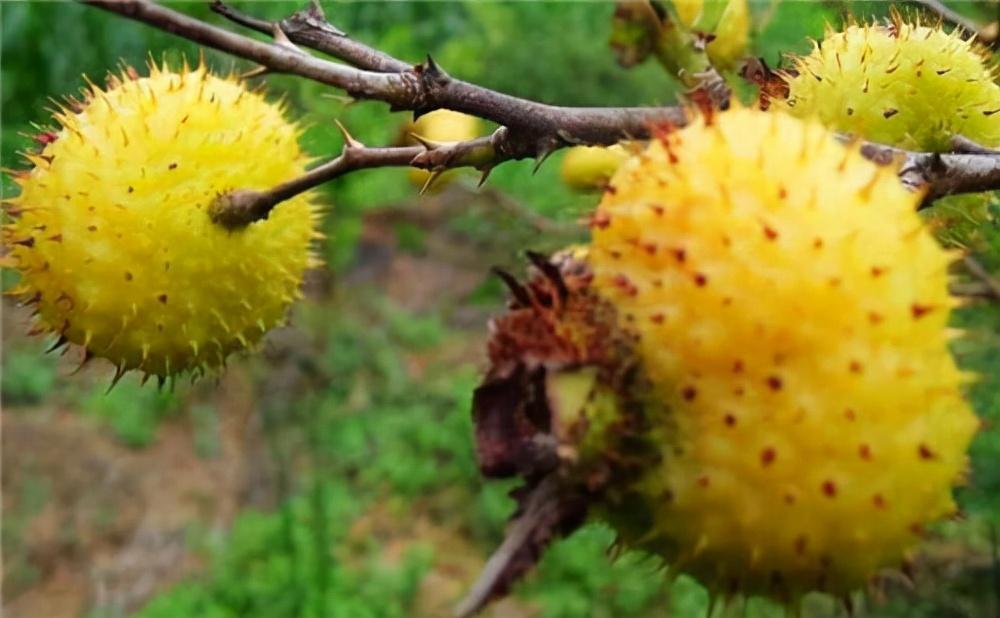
pixel 332 474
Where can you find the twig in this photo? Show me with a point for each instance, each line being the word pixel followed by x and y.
pixel 989 282
pixel 241 207
pixel 310 28
pixel 964 145
pixel 534 129
pixel 528 128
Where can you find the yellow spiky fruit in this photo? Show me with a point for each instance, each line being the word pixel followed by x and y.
pixel 111 233
pixel 588 168
pixel 905 84
pixel 790 311
pixel 442 125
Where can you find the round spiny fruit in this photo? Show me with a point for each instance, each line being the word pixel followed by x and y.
pixel 112 236
pixel 908 85
pixel 588 168
pixel 790 312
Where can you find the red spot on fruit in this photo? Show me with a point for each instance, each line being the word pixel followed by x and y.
pixel 855 366
pixel 919 310
pixel 829 489
pixel 162 298
pixel 650 248
pixel 689 393
pixel 770 232
pixel 774 383
pixel 600 220
pixel 680 255
pixel 865 452
pixel 738 366
pixel 657 210
pixel 789 498
pixel 849 414
pixel 925 452
pixel 877 271
pixel 703 481
pixel 800 544
pixel 767 456
pixel 878 501
pixel 700 280
pixel 729 420
pixel 656 318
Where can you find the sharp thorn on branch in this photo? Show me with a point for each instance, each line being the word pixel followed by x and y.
pixel 485 174
pixel 432 69
pixel 541 158
pixel 349 140
pixel 315 10
pixel 427 143
pixel 282 40
pixel 256 72
pixel 431 179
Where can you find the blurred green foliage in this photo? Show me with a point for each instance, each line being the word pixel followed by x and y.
pixel 371 432
pixel 131 411
pixel 28 375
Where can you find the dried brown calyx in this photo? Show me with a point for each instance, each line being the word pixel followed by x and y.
pixel 560 407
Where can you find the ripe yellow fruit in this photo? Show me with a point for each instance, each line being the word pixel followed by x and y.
pixel 588 168
pixel 731 26
pixel 790 311
pixel 904 84
pixel 443 125
pixel 111 232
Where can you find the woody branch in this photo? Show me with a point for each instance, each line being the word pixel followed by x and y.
pixel 528 128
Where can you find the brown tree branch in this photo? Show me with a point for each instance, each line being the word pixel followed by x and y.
pixel 310 28
pixel 534 128
pixel 529 128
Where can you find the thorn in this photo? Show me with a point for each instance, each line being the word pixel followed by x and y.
pixel 431 68
pixel 349 141
pixel 282 40
pixel 429 144
pixel 486 174
pixel 434 175
pixel 315 10
pixel 545 154
pixel 516 289
pixel 255 72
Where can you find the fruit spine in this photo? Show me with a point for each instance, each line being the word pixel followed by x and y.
pixel 111 233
